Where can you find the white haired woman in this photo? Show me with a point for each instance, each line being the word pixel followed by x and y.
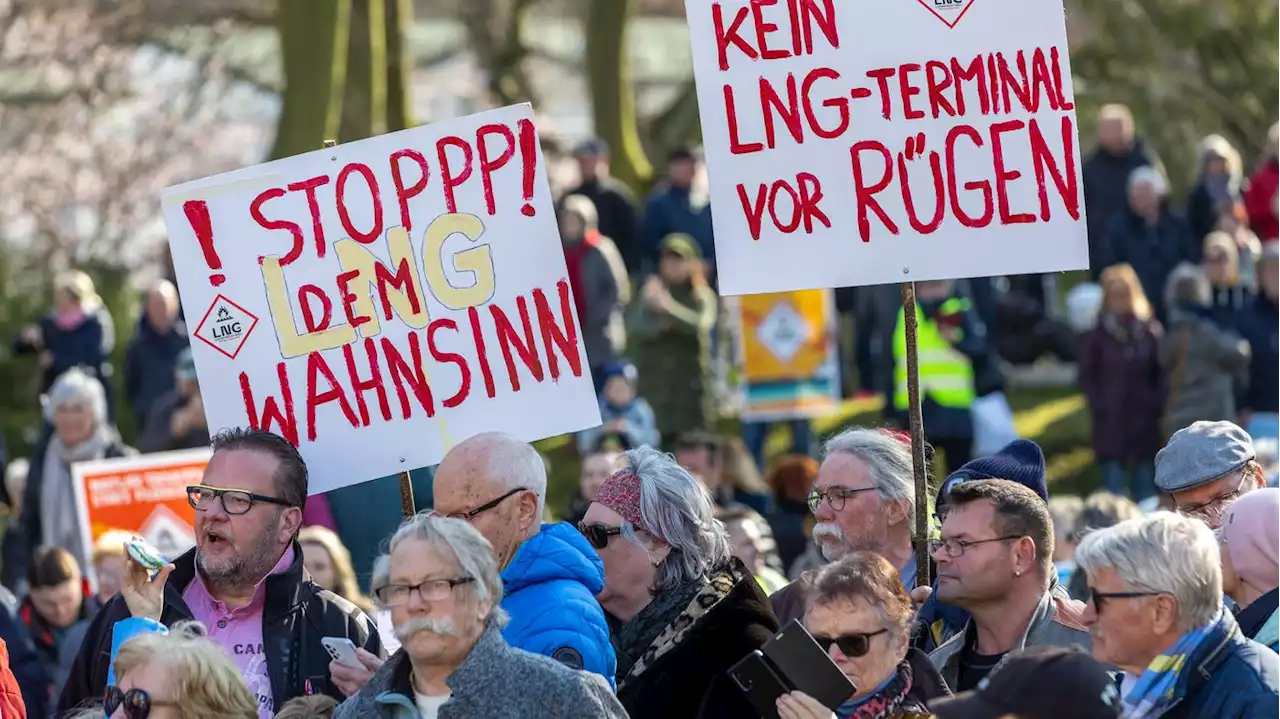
pixel 860 613
pixel 1155 611
pixel 1149 236
pixel 77 407
pixel 683 609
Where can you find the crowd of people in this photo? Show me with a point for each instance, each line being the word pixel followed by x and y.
pixel 684 550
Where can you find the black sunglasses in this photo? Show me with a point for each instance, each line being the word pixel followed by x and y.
pixel 851 645
pixel 471 514
pixel 598 534
pixel 137 703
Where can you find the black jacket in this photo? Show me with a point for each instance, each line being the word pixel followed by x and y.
pixel 296 616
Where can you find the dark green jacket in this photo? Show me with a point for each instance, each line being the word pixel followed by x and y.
pixel 672 351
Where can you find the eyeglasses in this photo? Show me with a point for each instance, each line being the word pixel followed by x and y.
pixel 851 645
pixel 234 501
pixel 137 703
pixel 598 534
pixel 432 590
pixel 1212 511
pixel 1098 597
pixel 836 497
pixel 468 516
pixel 955 547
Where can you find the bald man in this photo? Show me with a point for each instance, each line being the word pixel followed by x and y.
pixel 152 355
pixel 550 573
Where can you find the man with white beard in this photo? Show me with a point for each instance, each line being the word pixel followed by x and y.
pixel 863 500
pixel 443 590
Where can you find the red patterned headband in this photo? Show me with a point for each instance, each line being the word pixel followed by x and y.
pixel 621 493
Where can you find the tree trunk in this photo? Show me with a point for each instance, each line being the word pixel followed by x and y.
pixel 399 14
pixel 313 48
pixel 612 95
pixel 364 105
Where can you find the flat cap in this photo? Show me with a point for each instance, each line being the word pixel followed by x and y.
pixel 1200 453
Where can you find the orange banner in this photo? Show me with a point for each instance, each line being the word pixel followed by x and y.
pixel 144 495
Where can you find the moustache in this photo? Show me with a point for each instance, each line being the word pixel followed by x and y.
pixel 443 627
pixel 828 529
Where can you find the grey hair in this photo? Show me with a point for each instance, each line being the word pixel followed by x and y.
pixel 1150 176
pixel 75 386
pixel 513 463
pixel 1187 283
pixel 583 207
pixel 888 462
pixel 381 575
pixel 470 549
pixel 677 509
pixel 1162 552
pixel 1218 146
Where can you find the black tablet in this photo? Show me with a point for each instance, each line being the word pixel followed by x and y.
pixel 790 661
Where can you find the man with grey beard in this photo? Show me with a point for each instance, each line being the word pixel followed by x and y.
pixel 444 593
pixel 863 500
pixel 244 581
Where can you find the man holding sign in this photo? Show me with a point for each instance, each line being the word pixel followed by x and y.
pixel 244 581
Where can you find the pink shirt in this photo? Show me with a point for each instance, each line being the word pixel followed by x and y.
pixel 239 632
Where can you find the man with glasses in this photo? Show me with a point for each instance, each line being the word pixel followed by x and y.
pixel 244 581
pixel 444 593
pixel 1205 468
pixel 995 560
pixel 550 573
pixel 863 500
pixel 1156 612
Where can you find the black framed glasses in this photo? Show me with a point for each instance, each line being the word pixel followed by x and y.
pixel 836 497
pixel 851 645
pixel 431 590
pixel 1097 598
pixel 471 514
pixel 953 548
pixel 598 534
pixel 136 703
pixel 234 501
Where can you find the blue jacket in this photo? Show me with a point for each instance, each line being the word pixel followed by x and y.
pixel 642 428
pixel 550 590
pixel 1259 323
pixel 1228 677
pixel 673 209
pixel 149 366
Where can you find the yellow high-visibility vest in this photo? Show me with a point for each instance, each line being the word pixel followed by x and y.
pixel 946 374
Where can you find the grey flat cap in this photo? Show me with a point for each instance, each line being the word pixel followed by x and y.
pixel 1200 453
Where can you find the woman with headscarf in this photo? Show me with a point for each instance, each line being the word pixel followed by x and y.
pixel 77 408
pixel 671 324
pixel 683 611
pixel 859 612
pixel 1217 187
pixel 1250 543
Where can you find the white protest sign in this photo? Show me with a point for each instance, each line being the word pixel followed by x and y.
pixel 857 144
pixel 376 302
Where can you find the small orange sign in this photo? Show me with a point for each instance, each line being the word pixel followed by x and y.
pixel 144 495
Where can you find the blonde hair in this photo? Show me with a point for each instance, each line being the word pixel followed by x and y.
pixel 80 286
pixel 308 707
pixel 1222 241
pixel 110 544
pixel 1124 274
pixel 203 679
pixel 344 572
pixel 1218 146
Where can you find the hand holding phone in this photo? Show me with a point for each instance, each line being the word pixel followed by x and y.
pixel 342 651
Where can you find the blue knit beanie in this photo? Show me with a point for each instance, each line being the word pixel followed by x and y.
pixel 1020 461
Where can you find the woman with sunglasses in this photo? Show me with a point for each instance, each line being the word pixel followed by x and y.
pixel 859 611
pixel 682 610
pixel 180 674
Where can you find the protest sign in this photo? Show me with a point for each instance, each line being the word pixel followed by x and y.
pixel 788 350
pixel 143 494
pixel 852 144
pixel 376 302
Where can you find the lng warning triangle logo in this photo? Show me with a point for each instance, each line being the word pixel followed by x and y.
pixel 226 326
pixel 948 11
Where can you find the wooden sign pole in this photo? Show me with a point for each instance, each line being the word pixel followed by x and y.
pixel 917 435
pixel 406 484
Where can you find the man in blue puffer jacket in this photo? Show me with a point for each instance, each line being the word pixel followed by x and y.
pixel 550 572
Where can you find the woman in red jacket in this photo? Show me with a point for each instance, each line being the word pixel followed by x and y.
pixel 1261 198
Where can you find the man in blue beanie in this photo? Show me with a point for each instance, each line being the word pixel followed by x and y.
pixel 1020 461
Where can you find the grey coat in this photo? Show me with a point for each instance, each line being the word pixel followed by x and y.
pixel 607 292
pixel 1204 363
pixel 495 681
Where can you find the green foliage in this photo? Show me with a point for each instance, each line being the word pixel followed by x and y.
pixel 1187 68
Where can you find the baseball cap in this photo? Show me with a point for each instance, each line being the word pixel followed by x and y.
pixel 1039 683
pixel 1200 453
pixel 591 147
